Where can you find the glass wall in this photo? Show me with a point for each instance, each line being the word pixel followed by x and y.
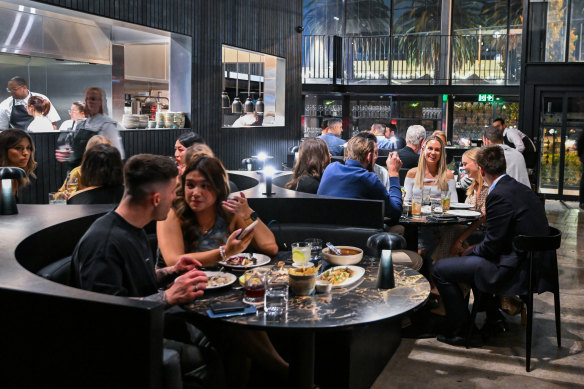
pixel 367 17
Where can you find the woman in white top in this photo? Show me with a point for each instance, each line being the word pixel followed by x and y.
pixel 38 108
pixel 77 113
pixel 431 173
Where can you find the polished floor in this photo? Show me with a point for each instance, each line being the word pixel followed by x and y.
pixel 427 363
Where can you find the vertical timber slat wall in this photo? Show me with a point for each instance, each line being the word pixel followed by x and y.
pixel 264 26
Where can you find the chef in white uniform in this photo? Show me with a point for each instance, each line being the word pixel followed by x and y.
pixel 13 113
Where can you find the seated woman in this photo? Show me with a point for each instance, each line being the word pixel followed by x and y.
pixel 453 240
pixel 39 108
pixel 202 218
pixel 101 175
pixel 432 177
pixel 73 181
pixel 313 158
pixel 17 150
pixel 183 142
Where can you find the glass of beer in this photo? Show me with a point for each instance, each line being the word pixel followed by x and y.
pixel 417 205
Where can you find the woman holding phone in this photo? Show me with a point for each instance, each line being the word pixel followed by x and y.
pixel 205 223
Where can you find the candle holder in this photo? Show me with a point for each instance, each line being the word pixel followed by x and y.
pixel 269 172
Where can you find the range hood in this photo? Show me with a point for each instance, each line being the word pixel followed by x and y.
pixel 40 33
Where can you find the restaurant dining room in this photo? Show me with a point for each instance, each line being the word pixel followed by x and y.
pixel 303 194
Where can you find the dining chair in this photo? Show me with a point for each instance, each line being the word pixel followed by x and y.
pixel 532 245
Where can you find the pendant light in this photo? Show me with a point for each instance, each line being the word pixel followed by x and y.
pixel 248 101
pixel 225 102
pixel 236 107
pixel 259 105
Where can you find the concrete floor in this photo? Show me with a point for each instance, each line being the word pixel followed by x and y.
pixel 427 363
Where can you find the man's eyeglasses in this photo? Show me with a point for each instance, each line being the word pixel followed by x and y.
pixel 10 90
pixel 70 112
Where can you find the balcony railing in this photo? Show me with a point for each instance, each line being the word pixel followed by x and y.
pixel 412 59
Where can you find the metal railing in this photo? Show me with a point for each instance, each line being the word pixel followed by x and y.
pixel 412 59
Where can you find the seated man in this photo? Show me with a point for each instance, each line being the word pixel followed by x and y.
pixel 514 159
pixel 380 171
pixel 332 136
pixel 493 265
pixel 378 130
pixel 395 139
pixel 355 179
pixel 409 155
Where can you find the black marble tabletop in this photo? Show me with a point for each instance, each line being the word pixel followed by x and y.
pixel 359 304
pixel 429 220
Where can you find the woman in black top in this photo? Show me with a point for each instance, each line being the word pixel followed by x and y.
pixel 313 158
pixel 102 177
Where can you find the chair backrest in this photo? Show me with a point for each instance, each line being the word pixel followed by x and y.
pixel 539 243
pixel 403 172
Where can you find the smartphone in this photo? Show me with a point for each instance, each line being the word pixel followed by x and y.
pixel 236 306
pixel 247 230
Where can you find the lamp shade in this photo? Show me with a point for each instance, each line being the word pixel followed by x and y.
pixel 225 102
pixel 249 105
pixel 7 198
pixel 236 107
pixel 259 105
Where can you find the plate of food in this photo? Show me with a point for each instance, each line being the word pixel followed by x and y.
pixel 218 279
pixel 463 213
pixel 246 261
pixel 342 276
pixel 461 205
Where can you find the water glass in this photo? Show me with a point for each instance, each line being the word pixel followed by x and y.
pixel 57 198
pixel 437 209
pixel 406 209
pixel 276 296
pixel 315 248
pixel 254 287
pixel 426 196
pixel 301 252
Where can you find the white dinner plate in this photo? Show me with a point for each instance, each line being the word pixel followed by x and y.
pixel 230 278
pixel 261 260
pixel 359 272
pixel 463 213
pixel 460 205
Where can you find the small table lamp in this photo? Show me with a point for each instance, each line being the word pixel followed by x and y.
pixel 384 243
pixel 7 198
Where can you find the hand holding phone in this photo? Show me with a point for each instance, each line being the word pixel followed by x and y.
pixel 247 230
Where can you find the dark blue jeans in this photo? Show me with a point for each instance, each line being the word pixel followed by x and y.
pixel 448 273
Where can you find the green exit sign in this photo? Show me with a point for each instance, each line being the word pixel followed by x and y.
pixel 486 97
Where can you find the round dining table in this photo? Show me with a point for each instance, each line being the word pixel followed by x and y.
pixel 360 304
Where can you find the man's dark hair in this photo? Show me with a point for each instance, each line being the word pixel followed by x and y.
pixel 499 120
pixel 143 170
pixel 492 159
pixel 190 138
pixel 19 80
pixel 332 122
pixel 493 134
pixel 102 166
pixel 324 124
pixel 392 127
pixel 367 135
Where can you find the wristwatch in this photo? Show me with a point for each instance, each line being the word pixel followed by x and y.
pixel 252 217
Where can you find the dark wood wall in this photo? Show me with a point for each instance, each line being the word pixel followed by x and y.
pixel 265 26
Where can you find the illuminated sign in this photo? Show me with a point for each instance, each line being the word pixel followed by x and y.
pixel 486 97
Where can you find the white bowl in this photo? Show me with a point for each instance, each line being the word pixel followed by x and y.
pixel 343 260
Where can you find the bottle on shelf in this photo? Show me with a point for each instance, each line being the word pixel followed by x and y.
pixel 128 104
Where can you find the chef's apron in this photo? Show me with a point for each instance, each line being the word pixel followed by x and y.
pixel 19 117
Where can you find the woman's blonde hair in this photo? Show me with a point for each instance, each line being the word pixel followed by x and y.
pixel 441 174
pixel 477 184
pixel 196 150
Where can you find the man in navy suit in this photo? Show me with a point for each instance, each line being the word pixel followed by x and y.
pixel 492 266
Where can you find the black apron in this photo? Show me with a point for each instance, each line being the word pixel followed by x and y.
pixel 19 117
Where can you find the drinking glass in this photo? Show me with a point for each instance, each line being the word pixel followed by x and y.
pixel 57 198
pixel 315 248
pixel 276 296
pixel 72 184
pixel 301 252
pixel 445 198
pixel 406 209
pixel 426 194
pixel 437 207
pixel 417 205
pixel 254 287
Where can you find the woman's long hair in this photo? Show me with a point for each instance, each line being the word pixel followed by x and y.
pixel 102 166
pixel 477 184
pixel 8 140
pixel 212 169
pixel 441 177
pixel 313 158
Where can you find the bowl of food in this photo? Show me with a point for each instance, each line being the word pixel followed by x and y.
pixel 349 255
pixel 302 280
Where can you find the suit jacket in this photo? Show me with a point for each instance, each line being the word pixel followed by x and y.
pixel 512 209
pixel 408 157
